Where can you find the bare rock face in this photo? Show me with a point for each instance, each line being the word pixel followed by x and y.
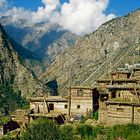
pixel 114 44
pixel 15 73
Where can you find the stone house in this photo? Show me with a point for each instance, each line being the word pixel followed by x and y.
pixel 83 100
pixel 119 101
pixel 51 107
pixel 50 104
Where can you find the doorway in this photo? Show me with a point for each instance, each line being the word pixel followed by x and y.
pixel 51 106
pixel 95 97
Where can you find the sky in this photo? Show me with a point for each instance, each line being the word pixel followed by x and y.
pixel 119 7
pixel 78 16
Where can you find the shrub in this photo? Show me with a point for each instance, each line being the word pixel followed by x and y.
pixel 134 137
pixel 85 131
pixel 66 133
pixel 123 131
pixel 95 115
pixel 6 137
pixel 42 129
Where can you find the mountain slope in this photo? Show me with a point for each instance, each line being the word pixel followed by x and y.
pixel 44 40
pixel 114 43
pixel 14 72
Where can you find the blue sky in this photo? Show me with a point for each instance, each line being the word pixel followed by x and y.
pixel 123 7
pixel 118 7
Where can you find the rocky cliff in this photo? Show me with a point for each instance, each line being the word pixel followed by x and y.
pixel 14 72
pixel 112 45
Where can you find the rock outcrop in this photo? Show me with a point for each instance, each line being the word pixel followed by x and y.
pixel 15 73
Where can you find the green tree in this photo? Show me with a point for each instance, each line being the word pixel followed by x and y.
pixel 10 100
pixel 42 129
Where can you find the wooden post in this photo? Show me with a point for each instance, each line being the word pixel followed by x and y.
pixel 69 100
pixel 132 121
pixel 69 103
pixel 45 107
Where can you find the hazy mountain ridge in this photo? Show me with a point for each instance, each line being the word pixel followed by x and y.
pixel 96 54
pixel 14 71
pixel 44 41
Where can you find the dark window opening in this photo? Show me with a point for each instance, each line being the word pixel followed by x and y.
pixel 78 106
pixel 66 106
pixel 51 106
pixel 104 97
pixel 119 95
pixel 79 93
pixel 120 109
pixel 113 94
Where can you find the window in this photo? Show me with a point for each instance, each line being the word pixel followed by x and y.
pixel 78 106
pixel 113 94
pixel 80 93
pixel 120 109
pixel 119 95
pixel 138 110
pixel 65 106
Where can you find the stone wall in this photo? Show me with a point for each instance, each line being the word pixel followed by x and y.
pixel 81 106
pixel 102 113
pixel 137 115
pixel 119 76
pixel 44 107
pixel 119 114
pixel 61 107
pixel 81 101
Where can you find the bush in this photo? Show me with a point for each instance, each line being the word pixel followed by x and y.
pixel 85 131
pixel 6 137
pixel 95 115
pixel 134 137
pixel 42 129
pixel 66 133
pixel 4 119
pixel 123 131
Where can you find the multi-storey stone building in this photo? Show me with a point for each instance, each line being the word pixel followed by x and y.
pixel 120 98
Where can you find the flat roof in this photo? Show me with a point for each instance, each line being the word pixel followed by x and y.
pixel 49 99
pixel 120 72
pixel 103 80
pixel 127 87
pixel 115 80
pixel 122 103
pixel 46 115
pixel 136 69
pixel 82 87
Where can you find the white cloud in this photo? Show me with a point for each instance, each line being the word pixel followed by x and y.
pixel 78 16
pixel 83 16
pixel 45 13
pixel 3 3
pixel 18 14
